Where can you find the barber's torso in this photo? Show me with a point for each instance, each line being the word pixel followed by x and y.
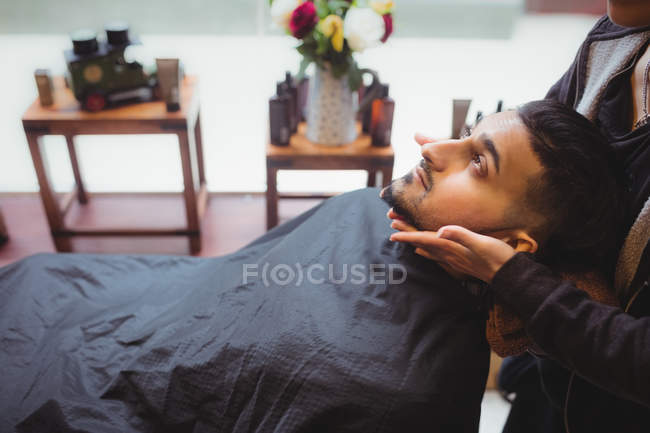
pixel 603 84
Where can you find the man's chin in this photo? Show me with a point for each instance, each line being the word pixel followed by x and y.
pixel 390 195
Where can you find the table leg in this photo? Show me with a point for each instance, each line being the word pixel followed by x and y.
pixel 198 140
pixel 191 208
pixel 386 176
pixel 271 197
pixel 372 177
pixel 81 191
pixel 4 234
pixel 50 203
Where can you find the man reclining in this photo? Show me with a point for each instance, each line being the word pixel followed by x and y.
pixel 320 325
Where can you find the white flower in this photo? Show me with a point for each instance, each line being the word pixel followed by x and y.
pixel 281 11
pixel 363 28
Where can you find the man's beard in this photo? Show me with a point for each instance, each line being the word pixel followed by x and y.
pixel 404 207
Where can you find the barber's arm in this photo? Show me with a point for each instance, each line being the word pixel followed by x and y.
pixel 601 343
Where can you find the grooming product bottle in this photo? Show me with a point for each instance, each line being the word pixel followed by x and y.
pixel 279 115
pixel 459 116
pixel 381 123
pixel 283 89
pixel 293 92
pixel 366 115
pixel 169 81
pixel 45 87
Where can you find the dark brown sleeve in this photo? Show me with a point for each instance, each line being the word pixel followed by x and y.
pixel 601 343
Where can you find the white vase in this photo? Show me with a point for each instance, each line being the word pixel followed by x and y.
pixel 331 109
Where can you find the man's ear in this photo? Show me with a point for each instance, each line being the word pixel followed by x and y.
pixel 521 241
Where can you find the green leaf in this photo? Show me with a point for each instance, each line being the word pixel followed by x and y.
pixel 304 63
pixel 336 5
pixel 354 76
pixel 323 43
pixel 322 10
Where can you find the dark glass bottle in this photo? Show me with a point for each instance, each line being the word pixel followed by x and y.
pixel 279 120
pixel 381 123
pixel 283 89
pixel 293 92
pixel 84 42
pixel 366 115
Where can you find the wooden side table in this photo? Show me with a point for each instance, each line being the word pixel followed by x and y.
pixel 302 154
pixel 67 119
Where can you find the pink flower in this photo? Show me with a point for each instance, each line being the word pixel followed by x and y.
pixel 388 24
pixel 303 20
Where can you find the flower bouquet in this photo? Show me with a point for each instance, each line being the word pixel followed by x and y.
pixel 329 33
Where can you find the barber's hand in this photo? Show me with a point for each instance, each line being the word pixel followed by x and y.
pixel 457 250
pixel 423 139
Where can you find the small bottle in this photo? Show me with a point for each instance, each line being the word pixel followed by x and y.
pixel 293 92
pixel 381 123
pixel 279 120
pixel 366 115
pixel 44 86
pixel 84 42
pixel 282 89
pixel 173 103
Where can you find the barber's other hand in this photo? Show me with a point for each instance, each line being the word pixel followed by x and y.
pixel 458 250
pixel 423 139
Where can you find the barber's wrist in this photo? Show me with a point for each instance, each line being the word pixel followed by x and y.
pixel 503 272
pixel 522 284
pixel 498 261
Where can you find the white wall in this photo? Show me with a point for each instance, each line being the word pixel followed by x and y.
pixel 238 74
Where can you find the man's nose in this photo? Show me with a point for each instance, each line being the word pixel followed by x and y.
pixel 442 154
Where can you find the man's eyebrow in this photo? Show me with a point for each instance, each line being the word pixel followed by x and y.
pixel 489 145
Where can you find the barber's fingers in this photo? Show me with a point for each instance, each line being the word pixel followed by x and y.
pixel 420 237
pixel 424 253
pixel 427 240
pixel 402 226
pixel 423 139
pixel 461 235
pixel 392 215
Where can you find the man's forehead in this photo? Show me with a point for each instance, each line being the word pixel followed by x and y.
pixel 505 121
pixel 505 130
pixel 511 140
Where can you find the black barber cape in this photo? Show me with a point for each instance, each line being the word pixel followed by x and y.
pixel 134 343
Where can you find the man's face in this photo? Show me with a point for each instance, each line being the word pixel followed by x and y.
pixel 473 182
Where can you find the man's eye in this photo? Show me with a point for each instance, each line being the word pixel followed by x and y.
pixel 479 163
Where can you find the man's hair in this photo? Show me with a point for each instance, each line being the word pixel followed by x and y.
pixel 577 195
